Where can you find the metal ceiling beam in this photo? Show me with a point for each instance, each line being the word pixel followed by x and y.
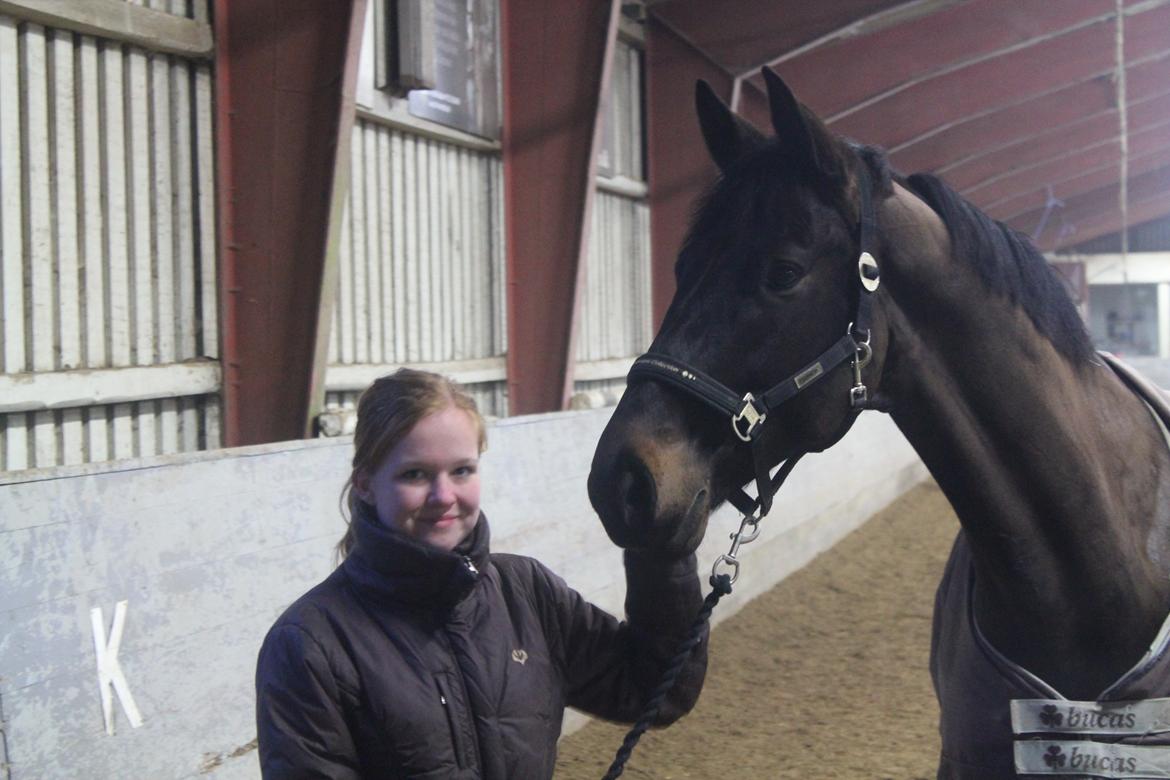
pixel 1095 226
pixel 1085 157
pixel 1039 165
pixel 740 35
pixel 989 84
pixel 1051 140
pixel 1098 212
pixel 974 33
pixel 976 132
pixel 1079 180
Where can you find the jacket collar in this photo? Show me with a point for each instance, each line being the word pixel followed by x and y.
pixel 387 565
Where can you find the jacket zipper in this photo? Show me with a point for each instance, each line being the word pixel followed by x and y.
pixel 458 742
pixel 465 754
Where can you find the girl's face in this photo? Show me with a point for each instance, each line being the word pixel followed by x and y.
pixel 428 485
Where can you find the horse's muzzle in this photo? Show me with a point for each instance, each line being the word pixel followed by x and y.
pixel 643 507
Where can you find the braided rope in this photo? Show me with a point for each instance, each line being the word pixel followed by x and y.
pixel 720 587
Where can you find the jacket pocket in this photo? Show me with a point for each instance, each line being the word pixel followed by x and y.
pixel 456 723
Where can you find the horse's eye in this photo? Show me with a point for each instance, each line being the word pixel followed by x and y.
pixel 783 276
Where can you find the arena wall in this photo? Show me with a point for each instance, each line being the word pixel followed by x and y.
pixel 206 549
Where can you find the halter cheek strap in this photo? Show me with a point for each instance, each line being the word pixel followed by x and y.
pixel 749 413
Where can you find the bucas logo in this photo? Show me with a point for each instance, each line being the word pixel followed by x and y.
pixel 1093 763
pixel 1055 757
pixel 1088 719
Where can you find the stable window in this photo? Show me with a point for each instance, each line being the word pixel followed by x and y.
pixel 443 57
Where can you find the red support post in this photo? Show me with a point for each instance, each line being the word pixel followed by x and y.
pixel 679 166
pixel 284 70
pixel 556 56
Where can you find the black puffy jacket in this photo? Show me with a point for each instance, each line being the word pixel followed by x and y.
pixel 411 662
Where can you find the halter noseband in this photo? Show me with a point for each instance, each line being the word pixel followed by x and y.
pixel 749 413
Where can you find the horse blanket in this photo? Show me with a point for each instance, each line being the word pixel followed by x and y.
pixel 1001 721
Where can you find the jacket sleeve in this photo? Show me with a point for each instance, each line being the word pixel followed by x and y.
pixel 301 726
pixel 611 667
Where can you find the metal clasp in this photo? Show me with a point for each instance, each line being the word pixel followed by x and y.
pixel 749 414
pixel 749 529
pixel 863 353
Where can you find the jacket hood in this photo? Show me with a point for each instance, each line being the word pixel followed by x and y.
pixel 387 565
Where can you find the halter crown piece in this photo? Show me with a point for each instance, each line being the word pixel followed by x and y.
pixel 749 413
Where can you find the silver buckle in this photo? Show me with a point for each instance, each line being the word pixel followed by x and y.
pixel 751 415
pixel 863 262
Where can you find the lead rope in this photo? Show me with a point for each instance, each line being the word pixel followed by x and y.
pixel 721 586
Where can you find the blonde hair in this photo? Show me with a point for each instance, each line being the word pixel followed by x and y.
pixel 387 411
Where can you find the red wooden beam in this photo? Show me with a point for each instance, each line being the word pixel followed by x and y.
pixel 556 57
pixel 679 166
pixel 281 69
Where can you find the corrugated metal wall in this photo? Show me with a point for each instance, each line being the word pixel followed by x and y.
pixel 421 260
pixel 616 319
pixel 615 309
pixel 422 256
pixel 107 223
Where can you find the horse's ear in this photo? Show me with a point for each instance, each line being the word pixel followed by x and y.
pixel 728 137
pixel 800 133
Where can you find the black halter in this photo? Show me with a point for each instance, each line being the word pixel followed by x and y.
pixel 749 412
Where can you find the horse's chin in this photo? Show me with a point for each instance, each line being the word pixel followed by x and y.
pixel 684 535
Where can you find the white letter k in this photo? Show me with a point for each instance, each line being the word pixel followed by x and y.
pixel 109 670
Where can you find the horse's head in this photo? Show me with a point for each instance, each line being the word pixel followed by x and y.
pixel 767 281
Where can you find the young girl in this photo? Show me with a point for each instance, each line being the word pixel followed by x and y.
pixel 424 655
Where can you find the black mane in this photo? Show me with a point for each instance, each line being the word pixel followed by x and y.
pixel 1008 264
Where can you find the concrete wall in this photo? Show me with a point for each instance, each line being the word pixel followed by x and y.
pixel 208 548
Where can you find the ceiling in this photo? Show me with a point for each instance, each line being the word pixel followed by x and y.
pixel 1014 102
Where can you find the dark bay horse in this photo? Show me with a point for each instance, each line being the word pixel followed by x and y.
pixel 1059 585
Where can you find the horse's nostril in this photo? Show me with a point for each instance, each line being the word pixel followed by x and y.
pixel 636 492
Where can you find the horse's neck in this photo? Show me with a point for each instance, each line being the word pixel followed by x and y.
pixel 1056 471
